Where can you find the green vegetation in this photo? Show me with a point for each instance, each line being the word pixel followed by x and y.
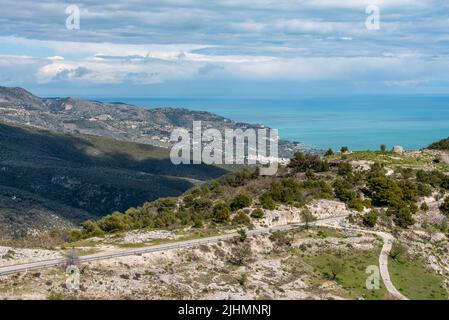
pixel 445 207
pixel 370 218
pixel 351 275
pixel 52 180
pixel 414 280
pixel 302 162
pixel 440 145
pixel 221 213
pixel 240 201
pixel 257 213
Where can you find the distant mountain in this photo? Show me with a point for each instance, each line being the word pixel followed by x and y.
pixel 49 180
pixel 115 120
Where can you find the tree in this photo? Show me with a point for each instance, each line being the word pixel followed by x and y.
pixel 329 153
pixel 370 219
pixel 383 147
pixel 240 201
pixel 344 149
pixel 221 213
pixel 445 207
pixel 301 162
pixel 307 217
pixel 336 267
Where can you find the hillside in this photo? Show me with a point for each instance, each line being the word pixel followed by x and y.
pixel 313 231
pixel 116 120
pixel 49 179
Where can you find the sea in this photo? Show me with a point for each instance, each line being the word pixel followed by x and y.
pixel 360 122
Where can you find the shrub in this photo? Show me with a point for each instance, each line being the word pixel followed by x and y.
pixel 370 219
pixel 242 235
pixel 301 162
pixel 281 238
pixel 241 218
pixel 91 229
pixel 257 213
pixel 336 267
pixel 221 213
pixel 398 251
pixel 344 149
pixel 425 207
pixel 267 201
pixel 329 153
pixel 342 189
pixel 440 145
pixel 240 201
pixel 445 206
pixel 344 168
pixel 384 191
pixel 402 216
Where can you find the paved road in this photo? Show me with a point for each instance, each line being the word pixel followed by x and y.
pixel 156 248
pixel 383 258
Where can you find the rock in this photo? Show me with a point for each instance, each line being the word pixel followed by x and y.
pixel 398 149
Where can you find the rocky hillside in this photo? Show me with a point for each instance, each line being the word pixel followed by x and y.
pixel 115 120
pixel 49 180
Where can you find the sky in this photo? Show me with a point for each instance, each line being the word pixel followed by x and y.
pixel 226 48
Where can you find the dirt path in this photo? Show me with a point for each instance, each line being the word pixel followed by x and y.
pixel 388 240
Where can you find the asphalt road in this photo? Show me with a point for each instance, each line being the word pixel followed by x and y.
pixel 383 258
pixel 136 251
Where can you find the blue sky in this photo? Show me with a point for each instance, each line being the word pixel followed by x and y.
pixel 227 48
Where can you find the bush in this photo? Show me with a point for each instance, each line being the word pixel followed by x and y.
pixel 91 229
pixel 267 201
pixel 402 216
pixel 384 191
pixel 445 207
pixel 329 153
pixel 240 201
pixel 221 213
pixel 398 251
pixel 344 168
pixel 440 145
pixel 370 219
pixel 242 235
pixel 302 162
pixel 241 218
pixel 344 149
pixel 425 207
pixel 257 213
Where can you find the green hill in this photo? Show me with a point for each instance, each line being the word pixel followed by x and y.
pixel 49 179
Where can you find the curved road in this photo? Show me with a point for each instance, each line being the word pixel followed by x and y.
pixel 388 240
pixel 383 258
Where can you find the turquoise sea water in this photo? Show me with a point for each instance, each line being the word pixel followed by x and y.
pixel 360 122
